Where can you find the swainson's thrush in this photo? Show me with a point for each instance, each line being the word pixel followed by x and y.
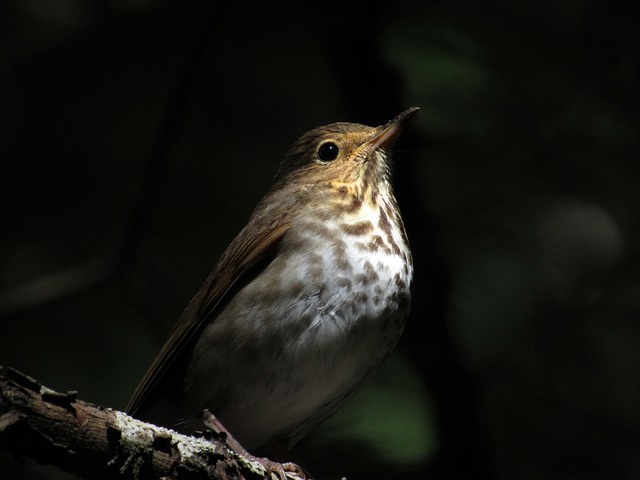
pixel 303 305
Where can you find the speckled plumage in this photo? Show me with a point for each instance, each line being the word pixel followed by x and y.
pixel 304 304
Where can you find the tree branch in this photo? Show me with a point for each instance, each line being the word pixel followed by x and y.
pixel 100 443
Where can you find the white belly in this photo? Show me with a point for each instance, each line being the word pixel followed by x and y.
pixel 304 333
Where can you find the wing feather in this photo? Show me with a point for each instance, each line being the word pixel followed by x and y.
pixel 246 251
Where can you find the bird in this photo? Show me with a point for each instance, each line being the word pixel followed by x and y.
pixel 302 307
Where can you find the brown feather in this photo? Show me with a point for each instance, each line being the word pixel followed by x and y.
pixel 318 210
pixel 239 258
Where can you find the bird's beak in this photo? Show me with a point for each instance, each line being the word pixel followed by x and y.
pixel 388 132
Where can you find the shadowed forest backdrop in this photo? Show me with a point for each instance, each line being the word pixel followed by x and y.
pixel 137 136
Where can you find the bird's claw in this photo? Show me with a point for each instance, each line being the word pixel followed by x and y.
pixel 271 466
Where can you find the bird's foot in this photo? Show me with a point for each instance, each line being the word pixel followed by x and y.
pixel 281 469
pixel 272 467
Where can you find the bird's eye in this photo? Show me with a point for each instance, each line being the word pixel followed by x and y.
pixel 328 151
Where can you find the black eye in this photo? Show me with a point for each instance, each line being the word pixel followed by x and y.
pixel 328 151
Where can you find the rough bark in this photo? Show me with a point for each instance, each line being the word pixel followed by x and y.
pixel 100 443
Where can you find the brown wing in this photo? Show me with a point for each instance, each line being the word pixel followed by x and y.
pixel 241 255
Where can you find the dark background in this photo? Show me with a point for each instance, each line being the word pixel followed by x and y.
pixel 136 137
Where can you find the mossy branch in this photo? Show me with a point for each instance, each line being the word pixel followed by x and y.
pixel 100 443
